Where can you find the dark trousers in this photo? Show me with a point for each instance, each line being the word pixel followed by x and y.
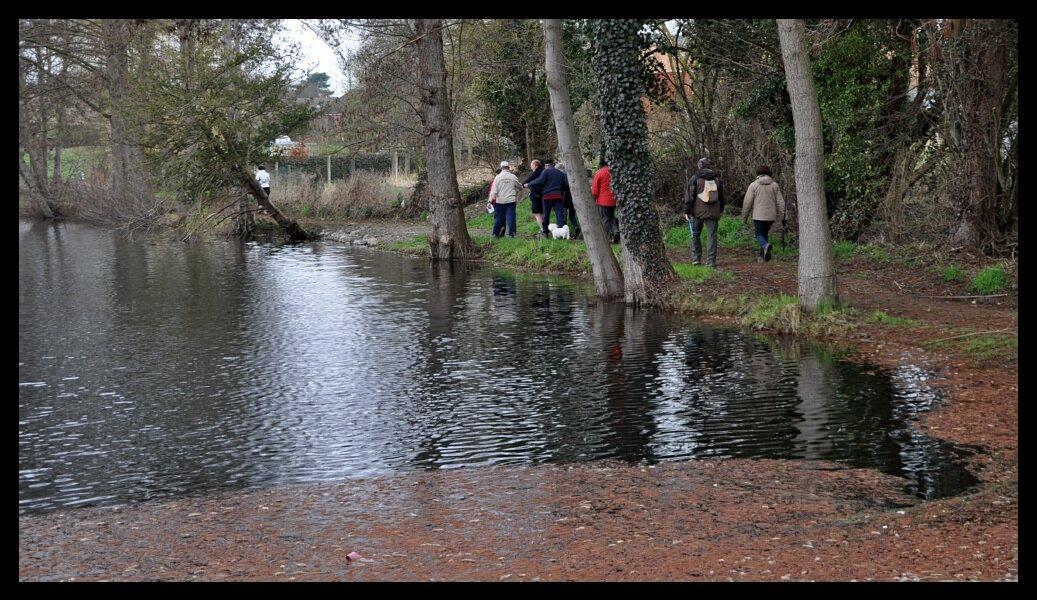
pixel 608 219
pixel 558 206
pixel 696 241
pixel 574 222
pixel 762 229
pixel 503 213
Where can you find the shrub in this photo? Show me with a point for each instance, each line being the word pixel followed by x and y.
pixel 990 280
pixel 843 249
pixel 952 273
pixel 362 195
pixel 679 235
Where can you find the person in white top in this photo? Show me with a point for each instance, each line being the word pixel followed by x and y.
pixel 506 191
pixel 263 179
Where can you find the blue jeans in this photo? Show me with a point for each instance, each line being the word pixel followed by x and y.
pixel 696 241
pixel 762 228
pixel 502 213
pixel 558 206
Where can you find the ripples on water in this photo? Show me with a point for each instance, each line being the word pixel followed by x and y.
pixel 154 369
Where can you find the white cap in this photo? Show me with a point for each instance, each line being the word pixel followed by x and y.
pixel 504 164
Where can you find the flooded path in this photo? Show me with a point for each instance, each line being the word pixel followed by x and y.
pixel 154 369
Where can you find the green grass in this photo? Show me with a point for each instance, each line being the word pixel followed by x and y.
pixel 882 318
pixel 537 254
pixel 416 245
pixel 987 349
pixel 700 273
pixel 845 249
pixel 779 313
pixel 953 273
pixel 782 313
pixel 75 161
pixel 991 348
pixel 990 280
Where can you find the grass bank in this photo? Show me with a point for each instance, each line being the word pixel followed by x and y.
pixel 762 296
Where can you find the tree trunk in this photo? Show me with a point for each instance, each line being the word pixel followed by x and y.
pixel 449 237
pixel 245 222
pixel 529 148
pixel 127 170
pixel 816 273
pixel 646 270
pixel 608 279
pixel 291 228
pixel 984 55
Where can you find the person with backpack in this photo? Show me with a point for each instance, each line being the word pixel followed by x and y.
pixel 601 189
pixel 703 205
pixel 764 202
pixel 505 192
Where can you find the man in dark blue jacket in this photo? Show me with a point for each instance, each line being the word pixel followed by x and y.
pixel 555 184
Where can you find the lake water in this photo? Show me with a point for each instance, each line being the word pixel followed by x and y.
pixel 155 369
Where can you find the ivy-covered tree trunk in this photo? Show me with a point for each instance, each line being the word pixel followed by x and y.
pixel 449 237
pixel 608 279
pixel 816 272
pixel 618 72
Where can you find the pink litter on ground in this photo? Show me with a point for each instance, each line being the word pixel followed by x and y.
pixel 352 556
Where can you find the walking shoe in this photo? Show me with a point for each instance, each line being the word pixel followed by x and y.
pixel 759 259
pixel 696 262
pixel 767 252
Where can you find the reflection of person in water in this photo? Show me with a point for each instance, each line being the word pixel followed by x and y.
pixel 630 341
pixel 502 287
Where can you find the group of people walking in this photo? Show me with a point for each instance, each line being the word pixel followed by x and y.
pixel 549 192
pixel 704 201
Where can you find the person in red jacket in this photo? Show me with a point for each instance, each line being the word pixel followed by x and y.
pixel 601 189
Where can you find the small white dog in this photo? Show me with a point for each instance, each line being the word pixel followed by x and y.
pixel 558 233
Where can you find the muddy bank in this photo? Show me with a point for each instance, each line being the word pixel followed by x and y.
pixel 371 233
pixel 712 520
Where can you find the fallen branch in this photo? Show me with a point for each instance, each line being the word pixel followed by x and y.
pixel 237 214
pixel 199 226
pixel 955 337
pixel 964 297
pixel 898 285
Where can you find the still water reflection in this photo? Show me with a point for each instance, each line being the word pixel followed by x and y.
pixel 155 369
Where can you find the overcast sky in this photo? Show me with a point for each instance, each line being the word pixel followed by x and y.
pixel 316 55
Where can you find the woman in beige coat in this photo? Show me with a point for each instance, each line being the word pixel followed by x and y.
pixel 763 200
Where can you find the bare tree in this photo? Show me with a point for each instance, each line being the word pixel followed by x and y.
pixel 608 279
pixel 816 272
pixel 449 237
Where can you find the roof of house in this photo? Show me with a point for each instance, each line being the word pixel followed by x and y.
pixel 308 90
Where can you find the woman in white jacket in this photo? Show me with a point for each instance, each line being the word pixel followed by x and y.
pixel 763 200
